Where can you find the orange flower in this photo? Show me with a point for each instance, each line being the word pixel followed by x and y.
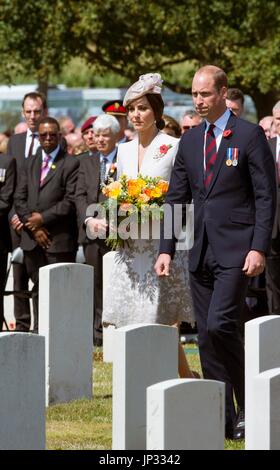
pixel 153 192
pixel 163 185
pixel 134 187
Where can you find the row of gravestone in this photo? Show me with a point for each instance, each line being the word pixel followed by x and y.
pixel 54 366
pixel 152 408
pixel 176 414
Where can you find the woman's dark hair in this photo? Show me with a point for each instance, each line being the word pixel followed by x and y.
pixel 157 105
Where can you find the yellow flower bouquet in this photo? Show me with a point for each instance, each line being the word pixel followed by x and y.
pixel 138 200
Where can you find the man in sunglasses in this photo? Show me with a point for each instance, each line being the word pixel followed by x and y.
pixel 189 120
pixel 44 202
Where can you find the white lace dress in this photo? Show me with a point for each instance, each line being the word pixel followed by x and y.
pixel 135 294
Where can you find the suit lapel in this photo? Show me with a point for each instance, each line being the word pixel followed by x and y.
pixel 225 143
pixel 199 158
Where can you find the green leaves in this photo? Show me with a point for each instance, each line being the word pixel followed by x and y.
pixel 130 38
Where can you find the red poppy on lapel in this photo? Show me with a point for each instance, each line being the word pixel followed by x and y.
pixel 227 133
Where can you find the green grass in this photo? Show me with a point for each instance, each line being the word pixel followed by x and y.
pixel 87 424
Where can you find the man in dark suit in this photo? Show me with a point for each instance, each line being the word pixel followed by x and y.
pixel 44 202
pixel 22 146
pixel 273 260
pixel 226 167
pixel 7 187
pixel 93 172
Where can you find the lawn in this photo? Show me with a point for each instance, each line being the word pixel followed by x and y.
pixel 87 424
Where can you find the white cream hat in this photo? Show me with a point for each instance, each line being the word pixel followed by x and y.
pixel 148 83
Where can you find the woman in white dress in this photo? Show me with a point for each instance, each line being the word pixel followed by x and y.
pixel 135 293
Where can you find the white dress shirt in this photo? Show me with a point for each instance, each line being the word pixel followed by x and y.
pixel 36 143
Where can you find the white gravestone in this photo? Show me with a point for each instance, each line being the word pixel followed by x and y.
pixel 186 414
pixel 262 352
pixel 66 321
pixel 108 332
pixel 22 391
pixel 267 411
pixel 144 355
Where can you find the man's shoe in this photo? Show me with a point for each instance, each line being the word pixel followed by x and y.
pixel 239 428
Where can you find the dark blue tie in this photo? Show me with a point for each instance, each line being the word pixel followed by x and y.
pixel 103 164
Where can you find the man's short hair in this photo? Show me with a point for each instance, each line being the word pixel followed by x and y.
pixel 49 120
pixel 106 121
pixel 35 95
pixel 234 94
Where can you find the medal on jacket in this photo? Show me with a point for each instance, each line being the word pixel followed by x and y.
pixel 235 156
pixel 2 175
pixel 229 157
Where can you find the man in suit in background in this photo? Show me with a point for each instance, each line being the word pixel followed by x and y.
pixel 226 167
pixel 273 260
pixel 22 146
pixel 93 172
pixel 7 187
pixel 44 202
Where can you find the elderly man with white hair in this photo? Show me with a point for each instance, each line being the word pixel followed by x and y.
pixel 94 171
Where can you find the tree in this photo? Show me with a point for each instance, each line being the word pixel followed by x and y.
pixel 130 38
pixel 242 37
pixel 35 38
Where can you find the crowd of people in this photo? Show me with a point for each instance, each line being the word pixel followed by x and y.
pixel 51 173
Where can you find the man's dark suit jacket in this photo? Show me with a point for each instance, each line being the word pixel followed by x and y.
pixel 16 148
pixel 276 228
pixel 7 188
pixel 88 190
pixel 54 200
pixel 238 208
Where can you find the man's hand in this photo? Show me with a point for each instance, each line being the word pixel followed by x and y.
pixel 162 265
pixel 34 222
pixel 96 227
pixel 16 224
pixel 254 263
pixel 41 237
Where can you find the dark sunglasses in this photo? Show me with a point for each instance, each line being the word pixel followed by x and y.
pixel 48 134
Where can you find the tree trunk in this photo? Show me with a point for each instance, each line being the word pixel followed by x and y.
pixel 43 86
pixel 264 102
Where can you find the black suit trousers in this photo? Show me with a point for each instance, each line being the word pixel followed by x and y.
pixel 219 297
pixel 94 253
pixel 21 304
pixel 36 259
pixel 3 271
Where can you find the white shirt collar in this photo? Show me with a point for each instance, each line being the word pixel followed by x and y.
pixel 30 133
pixel 221 121
pixel 110 156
